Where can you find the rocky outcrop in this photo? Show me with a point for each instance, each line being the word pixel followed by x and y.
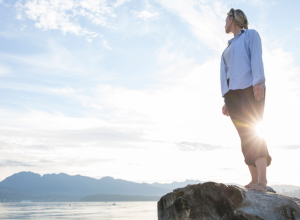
pixel 212 201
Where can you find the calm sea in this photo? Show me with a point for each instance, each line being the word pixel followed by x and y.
pixel 80 210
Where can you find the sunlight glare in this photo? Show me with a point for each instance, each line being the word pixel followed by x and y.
pixel 260 129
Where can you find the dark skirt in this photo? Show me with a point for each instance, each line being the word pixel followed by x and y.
pixel 245 112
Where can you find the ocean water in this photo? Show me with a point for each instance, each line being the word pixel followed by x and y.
pixel 80 210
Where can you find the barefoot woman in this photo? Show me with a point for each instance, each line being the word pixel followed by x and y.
pixel 243 89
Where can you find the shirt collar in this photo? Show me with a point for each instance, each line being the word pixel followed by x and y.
pixel 241 31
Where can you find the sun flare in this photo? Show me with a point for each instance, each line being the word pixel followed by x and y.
pixel 260 129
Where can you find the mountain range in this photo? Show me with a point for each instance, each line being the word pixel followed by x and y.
pixel 63 184
pixel 63 187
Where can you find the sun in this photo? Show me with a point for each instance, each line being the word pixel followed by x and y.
pixel 260 130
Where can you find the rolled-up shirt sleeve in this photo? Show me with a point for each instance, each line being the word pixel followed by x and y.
pixel 257 65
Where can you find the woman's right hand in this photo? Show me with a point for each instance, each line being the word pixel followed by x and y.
pixel 224 110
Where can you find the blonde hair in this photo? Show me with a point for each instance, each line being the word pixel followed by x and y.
pixel 239 18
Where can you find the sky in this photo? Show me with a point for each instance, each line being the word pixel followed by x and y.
pixel 131 89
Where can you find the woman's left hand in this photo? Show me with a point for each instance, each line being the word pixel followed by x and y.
pixel 259 91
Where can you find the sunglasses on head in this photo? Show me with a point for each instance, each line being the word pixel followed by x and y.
pixel 232 11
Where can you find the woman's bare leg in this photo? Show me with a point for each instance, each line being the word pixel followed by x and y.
pixel 254 176
pixel 261 164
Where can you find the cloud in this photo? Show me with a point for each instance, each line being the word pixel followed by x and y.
pixel 67 162
pixel 290 147
pixel 226 169
pixel 58 60
pixel 12 163
pixel 4 70
pixel 54 143
pixel 120 2
pixel 206 19
pixel 263 3
pixel 40 147
pixel 144 15
pixel 101 135
pixel 41 132
pixel 85 162
pixel 105 44
pixel 96 11
pixel 66 90
pixel 50 14
pixel 49 139
pixel 44 161
pixel 191 146
pixel 63 15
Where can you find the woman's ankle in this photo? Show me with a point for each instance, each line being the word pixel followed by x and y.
pixel 264 182
pixel 254 181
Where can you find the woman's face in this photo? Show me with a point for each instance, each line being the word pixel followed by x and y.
pixel 228 24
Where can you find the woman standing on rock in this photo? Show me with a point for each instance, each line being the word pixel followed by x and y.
pixel 243 89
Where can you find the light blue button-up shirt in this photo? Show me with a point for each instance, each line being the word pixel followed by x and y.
pixel 246 64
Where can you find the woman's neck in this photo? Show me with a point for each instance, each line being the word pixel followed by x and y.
pixel 236 30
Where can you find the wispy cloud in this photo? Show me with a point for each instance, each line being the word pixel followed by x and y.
pixel 105 44
pixel 144 15
pixel 63 15
pixel 4 69
pixel 289 147
pixel 206 19
pixel 191 146
pixel 13 163
pixel 120 2
pixel 57 60
pixel 292 147
pixel 226 169
pixel 297 28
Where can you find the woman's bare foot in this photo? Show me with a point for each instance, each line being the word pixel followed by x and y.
pixel 259 187
pixel 249 185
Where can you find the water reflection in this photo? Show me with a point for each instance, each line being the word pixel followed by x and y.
pixel 80 210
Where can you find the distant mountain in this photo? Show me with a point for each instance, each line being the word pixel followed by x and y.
pixel 175 185
pixel 63 184
pixel 63 187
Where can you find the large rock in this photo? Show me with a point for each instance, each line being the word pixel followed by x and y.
pixel 212 200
